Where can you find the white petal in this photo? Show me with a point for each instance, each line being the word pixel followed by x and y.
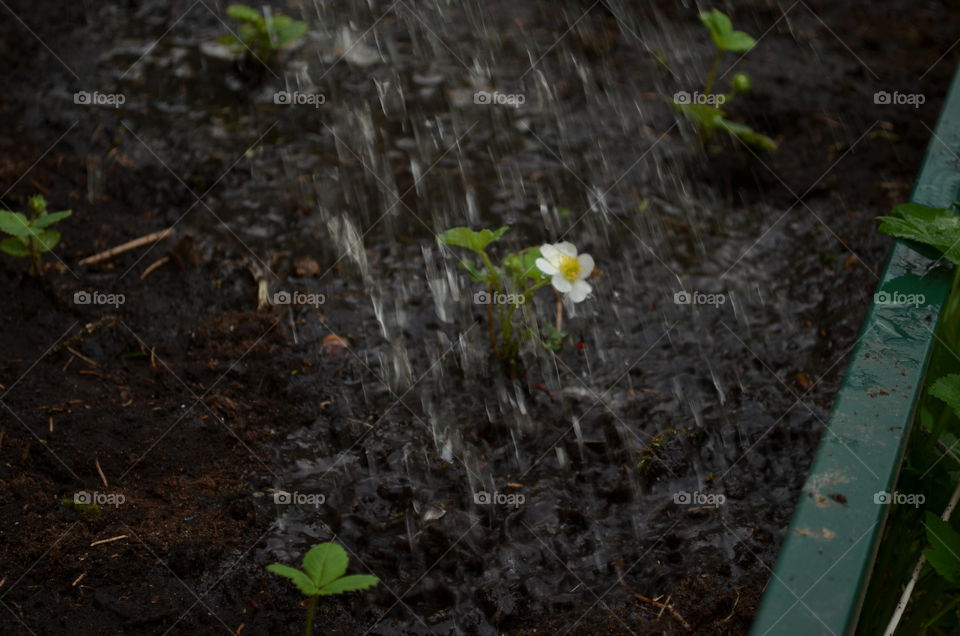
pixel 561 284
pixel 550 252
pixel 580 290
pixel 586 265
pixel 567 249
pixel 547 267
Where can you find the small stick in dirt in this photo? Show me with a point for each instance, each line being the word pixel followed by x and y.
pixel 86 331
pixel 78 579
pixel 110 540
pixel 50 424
pixel 126 247
pixel 154 265
pixel 661 606
pixel 103 477
pixel 77 354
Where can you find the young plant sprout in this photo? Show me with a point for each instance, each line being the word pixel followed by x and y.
pixel 511 283
pixel 29 237
pixel 324 566
pixel 705 111
pixel 263 35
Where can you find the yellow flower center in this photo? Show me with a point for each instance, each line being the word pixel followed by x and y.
pixel 570 268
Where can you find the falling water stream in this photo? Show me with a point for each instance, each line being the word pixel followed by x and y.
pixel 650 397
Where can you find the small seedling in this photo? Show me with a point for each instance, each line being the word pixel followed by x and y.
pixel 704 109
pixel 511 283
pixel 262 35
pixel 324 566
pixel 29 237
pixel 89 511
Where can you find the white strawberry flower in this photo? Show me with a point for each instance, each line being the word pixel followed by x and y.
pixel 569 271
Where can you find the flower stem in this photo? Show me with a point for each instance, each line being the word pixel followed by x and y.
pixel 712 73
pixel 311 609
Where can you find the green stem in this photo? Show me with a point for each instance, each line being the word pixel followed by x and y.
pixel 311 610
pixel 712 73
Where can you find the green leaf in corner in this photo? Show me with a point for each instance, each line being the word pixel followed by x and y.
pixel 936 227
pixel 947 388
pixel 944 551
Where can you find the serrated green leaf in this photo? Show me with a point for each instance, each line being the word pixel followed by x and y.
pixel 47 240
pixel 243 13
pixel 14 223
pixel 944 551
pixel 300 579
pixel 349 584
pixel 49 219
pixel 14 247
pixel 325 562
pixel 470 239
pixel 723 34
pixel 936 227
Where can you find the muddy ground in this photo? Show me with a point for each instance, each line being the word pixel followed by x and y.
pixel 196 406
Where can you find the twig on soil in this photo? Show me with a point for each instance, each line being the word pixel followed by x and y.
pixel 915 575
pixel 154 265
pixel 77 354
pixel 50 424
pixel 110 540
pixel 661 606
pixel 103 477
pixel 126 247
pixel 78 579
pixel 87 330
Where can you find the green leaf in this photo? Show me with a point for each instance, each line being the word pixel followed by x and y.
pixel 476 241
pixel 748 135
pixel 325 562
pixel 947 388
pixel 243 13
pixel 47 240
pixel 702 115
pixel 349 584
pixel 49 219
pixel 723 34
pixel 936 227
pixel 14 223
pixel 286 30
pixel 14 247
pixel 301 580
pixel 552 339
pixel 944 551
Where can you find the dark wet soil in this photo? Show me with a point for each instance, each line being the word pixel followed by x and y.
pixel 197 407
